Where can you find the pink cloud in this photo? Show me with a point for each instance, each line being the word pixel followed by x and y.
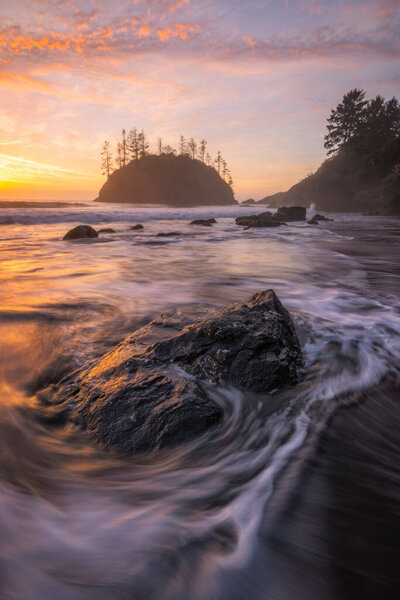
pixel 250 41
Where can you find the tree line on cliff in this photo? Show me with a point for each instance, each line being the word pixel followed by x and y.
pixel 361 125
pixel 134 145
pixel 362 171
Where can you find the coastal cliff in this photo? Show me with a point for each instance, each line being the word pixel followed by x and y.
pixel 346 182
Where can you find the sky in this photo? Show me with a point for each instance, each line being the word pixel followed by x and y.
pixel 257 79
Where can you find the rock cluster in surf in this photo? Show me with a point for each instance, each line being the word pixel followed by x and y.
pixel 268 219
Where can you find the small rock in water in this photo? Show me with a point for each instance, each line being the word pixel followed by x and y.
pixel 291 213
pixel 152 390
pixel 81 231
pixel 247 202
pixel 136 227
pixel 265 219
pixel 319 217
pixel 203 222
pixel 312 221
pixel 106 230
pixel 169 234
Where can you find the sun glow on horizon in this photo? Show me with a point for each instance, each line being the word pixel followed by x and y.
pixel 21 176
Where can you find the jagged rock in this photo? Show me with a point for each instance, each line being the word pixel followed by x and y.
pixel 291 213
pixel 265 219
pixel 136 227
pixel 81 231
pixel 204 222
pixel 152 390
pixel 106 230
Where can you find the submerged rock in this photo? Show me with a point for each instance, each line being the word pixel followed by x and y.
pixel 204 222
pixel 106 230
pixel 136 227
pixel 81 231
pixel 169 234
pixel 265 219
pixel 148 394
pixel 319 217
pixel 291 213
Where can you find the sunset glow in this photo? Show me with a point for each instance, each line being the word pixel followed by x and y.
pixel 256 79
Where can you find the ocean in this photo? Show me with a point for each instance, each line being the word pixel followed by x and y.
pixel 295 496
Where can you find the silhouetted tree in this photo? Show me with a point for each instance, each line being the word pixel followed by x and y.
pixel 133 144
pixel 362 125
pixel 143 144
pixel 226 174
pixel 225 170
pixel 182 145
pixel 123 148
pixel 118 158
pixel 345 120
pixel 382 122
pixel 192 146
pixel 218 162
pixel 202 150
pixel 106 159
pixel 169 149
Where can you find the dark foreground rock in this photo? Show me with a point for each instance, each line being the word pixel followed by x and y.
pixel 136 227
pixel 81 231
pixel 148 394
pixel 203 222
pixel 265 219
pixel 291 213
pixel 106 230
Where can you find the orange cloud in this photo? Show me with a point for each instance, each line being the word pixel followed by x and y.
pixel 177 4
pixel 249 40
pixel 179 30
pixel 144 31
pixel 14 42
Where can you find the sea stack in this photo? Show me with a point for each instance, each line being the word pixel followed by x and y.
pixel 178 181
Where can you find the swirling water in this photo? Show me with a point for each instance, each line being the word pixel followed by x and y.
pixel 294 496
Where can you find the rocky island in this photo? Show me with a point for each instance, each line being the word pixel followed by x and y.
pixel 177 181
